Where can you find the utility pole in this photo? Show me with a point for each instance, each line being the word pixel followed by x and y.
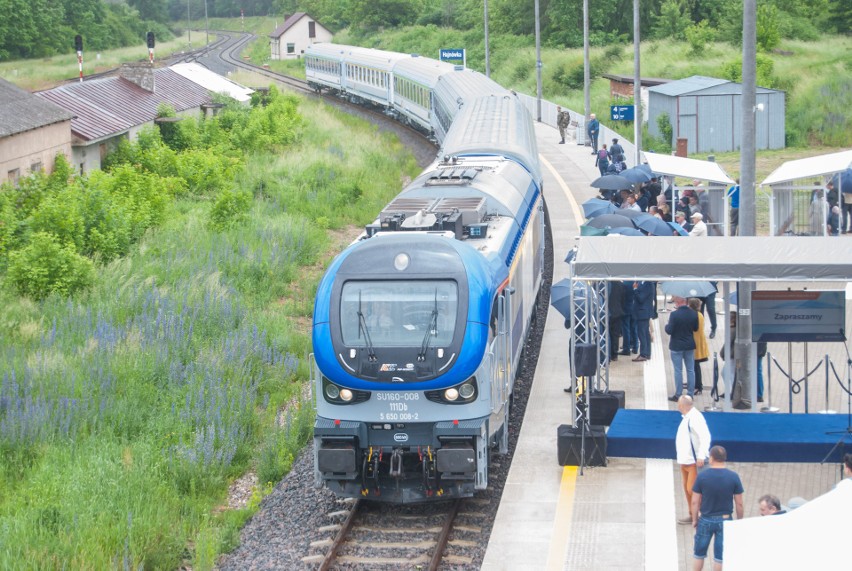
pixel 637 86
pixel 587 104
pixel 206 24
pixel 745 364
pixel 487 59
pixel 537 63
pixel 188 31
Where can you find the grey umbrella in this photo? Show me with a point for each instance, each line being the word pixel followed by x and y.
pixel 687 288
pixel 611 182
pixel 610 221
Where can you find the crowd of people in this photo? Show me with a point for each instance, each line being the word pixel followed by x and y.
pixel 714 492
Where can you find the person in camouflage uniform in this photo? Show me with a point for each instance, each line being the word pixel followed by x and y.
pixel 563 120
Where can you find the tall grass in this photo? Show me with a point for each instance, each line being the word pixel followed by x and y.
pixel 127 410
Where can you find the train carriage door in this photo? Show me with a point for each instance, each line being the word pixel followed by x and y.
pixel 508 312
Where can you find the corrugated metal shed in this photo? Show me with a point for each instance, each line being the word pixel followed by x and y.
pixel 687 85
pixel 22 111
pixel 706 112
pixel 112 105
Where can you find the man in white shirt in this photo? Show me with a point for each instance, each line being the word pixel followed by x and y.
pixel 692 443
pixel 699 228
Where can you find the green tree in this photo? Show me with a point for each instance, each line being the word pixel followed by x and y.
pixel 699 35
pixel 768 33
pixel 377 14
pixel 673 20
pixel 157 10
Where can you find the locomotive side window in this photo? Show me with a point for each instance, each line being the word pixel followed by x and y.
pixel 398 313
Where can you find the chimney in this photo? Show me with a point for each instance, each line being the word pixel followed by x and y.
pixel 142 74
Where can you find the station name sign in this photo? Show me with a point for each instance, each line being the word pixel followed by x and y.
pixel 799 316
pixel 452 55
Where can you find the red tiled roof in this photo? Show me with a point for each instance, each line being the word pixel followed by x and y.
pixel 113 105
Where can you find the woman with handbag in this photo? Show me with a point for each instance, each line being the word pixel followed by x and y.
pixel 702 348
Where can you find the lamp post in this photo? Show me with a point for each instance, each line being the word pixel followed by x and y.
pixel 637 85
pixel 587 105
pixel 537 63
pixel 487 60
pixel 745 364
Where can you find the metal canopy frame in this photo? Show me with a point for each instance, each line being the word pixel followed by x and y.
pixel 596 260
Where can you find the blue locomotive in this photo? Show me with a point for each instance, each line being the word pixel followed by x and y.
pixel 419 324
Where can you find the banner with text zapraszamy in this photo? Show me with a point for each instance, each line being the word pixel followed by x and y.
pixel 801 316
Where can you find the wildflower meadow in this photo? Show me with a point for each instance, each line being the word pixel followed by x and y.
pixel 154 330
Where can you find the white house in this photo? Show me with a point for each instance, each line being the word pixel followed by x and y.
pixel 297 32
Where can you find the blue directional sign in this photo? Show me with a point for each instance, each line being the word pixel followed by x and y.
pixel 452 55
pixel 621 112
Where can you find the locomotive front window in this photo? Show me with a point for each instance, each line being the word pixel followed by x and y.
pixel 398 313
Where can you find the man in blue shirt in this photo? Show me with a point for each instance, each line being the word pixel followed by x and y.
pixel 593 127
pixel 734 194
pixel 715 495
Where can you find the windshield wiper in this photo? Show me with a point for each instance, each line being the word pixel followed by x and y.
pixel 430 330
pixel 362 326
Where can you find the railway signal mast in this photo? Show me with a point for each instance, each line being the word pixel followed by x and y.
pixel 150 38
pixel 78 45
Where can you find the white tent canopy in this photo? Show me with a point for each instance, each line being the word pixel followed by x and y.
pixel 810 167
pixel 813 536
pixel 691 168
pixel 750 258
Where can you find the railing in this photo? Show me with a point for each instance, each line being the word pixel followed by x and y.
pixel 802 385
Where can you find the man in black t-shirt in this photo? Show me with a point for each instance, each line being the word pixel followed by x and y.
pixel 715 495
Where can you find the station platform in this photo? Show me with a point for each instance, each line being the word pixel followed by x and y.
pixel 624 515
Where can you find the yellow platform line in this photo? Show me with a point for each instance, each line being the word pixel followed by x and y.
pixel 574 206
pixel 562 521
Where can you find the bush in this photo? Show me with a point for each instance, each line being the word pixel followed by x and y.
pixel 46 266
pixel 664 124
pixel 699 35
pixel 8 220
pixel 231 208
pixel 60 215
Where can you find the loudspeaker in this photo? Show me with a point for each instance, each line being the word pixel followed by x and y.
pixel 569 441
pixel 603 406
pixel 585 359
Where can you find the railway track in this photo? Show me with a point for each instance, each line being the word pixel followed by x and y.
pixel 369 535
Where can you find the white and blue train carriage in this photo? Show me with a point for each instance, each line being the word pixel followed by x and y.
pixel 365 74
pixel 419 324
pixel 414 79
pixel 454 91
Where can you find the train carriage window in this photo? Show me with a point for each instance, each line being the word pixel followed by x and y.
pixel 398 313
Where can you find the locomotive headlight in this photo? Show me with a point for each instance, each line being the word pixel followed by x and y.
pixel 346 395
pixel 451 394
pixel 332 392
pixel 401 261
pixel 466 391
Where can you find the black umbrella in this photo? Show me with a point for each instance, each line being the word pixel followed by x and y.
pixel 610 221
pixel 652 225
pixel 611 182
pixel 636 175
pixel 629 213
pixel 560 297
